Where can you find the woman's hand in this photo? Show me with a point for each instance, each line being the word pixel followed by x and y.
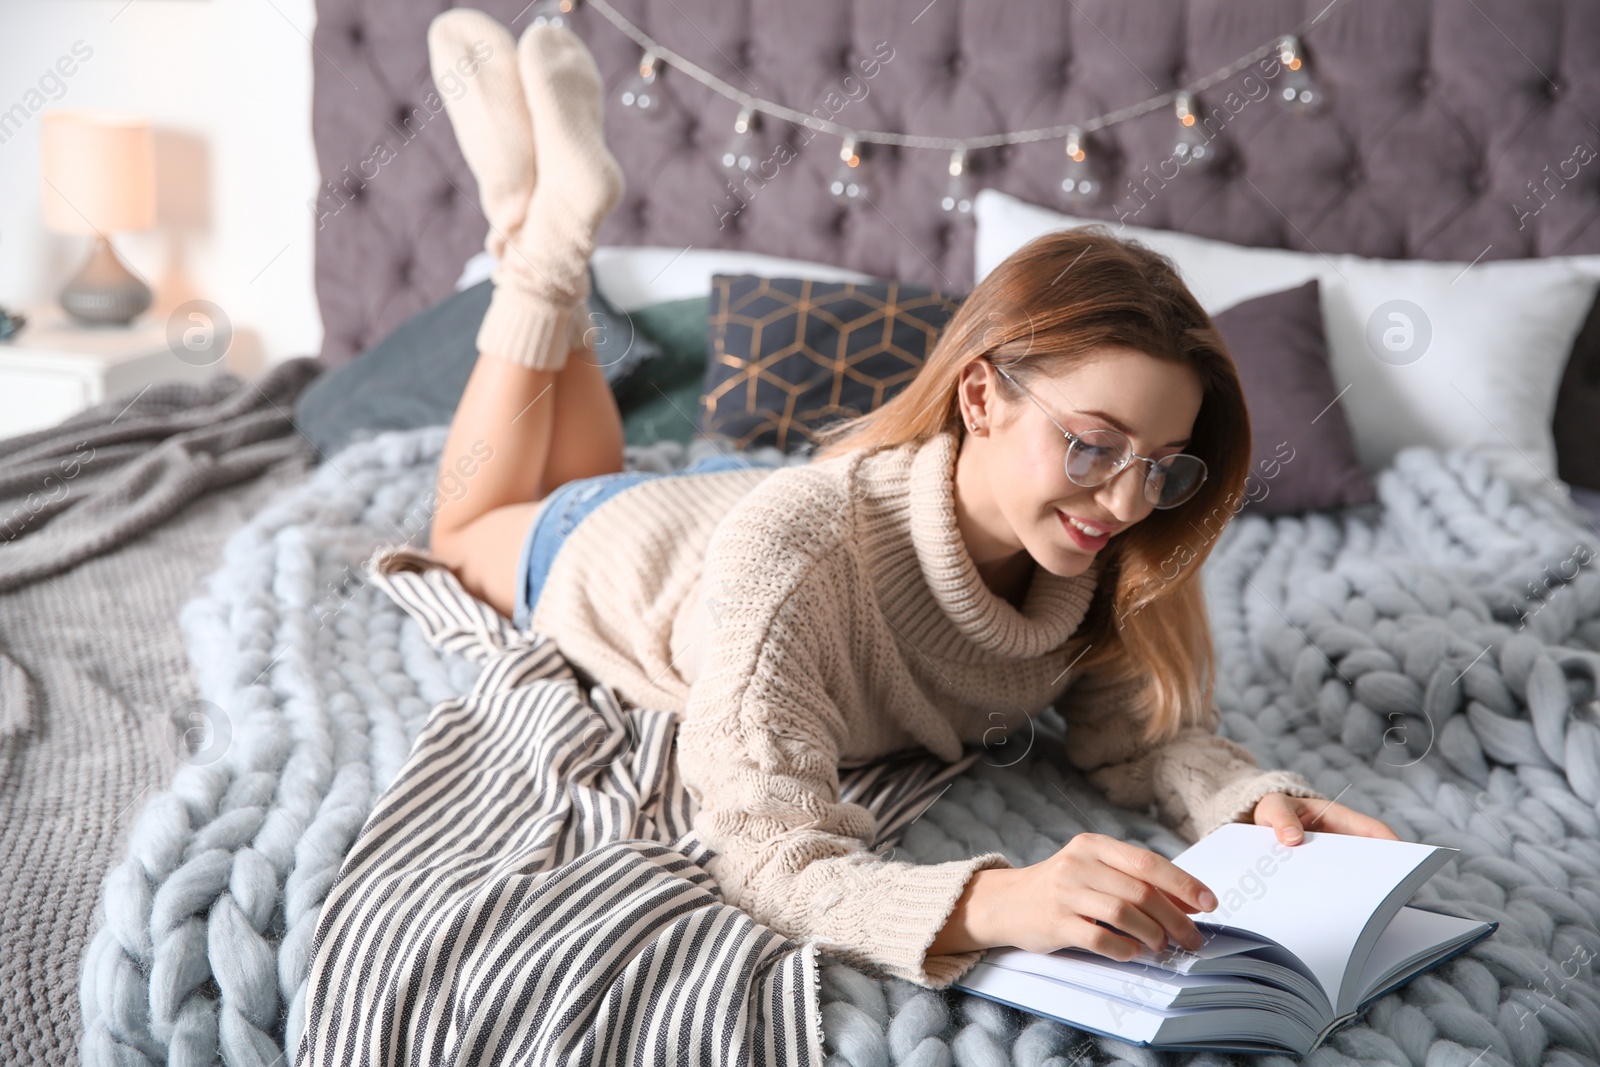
pixel 1056 903
pixel 1292 816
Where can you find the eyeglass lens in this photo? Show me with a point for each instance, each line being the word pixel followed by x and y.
pixel 1098 455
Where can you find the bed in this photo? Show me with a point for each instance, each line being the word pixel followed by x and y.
pixel 1438 117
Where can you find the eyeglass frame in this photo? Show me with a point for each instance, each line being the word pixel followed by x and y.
pixel 1072 439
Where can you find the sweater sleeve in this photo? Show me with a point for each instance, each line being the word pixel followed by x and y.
pixel 1197 779
pixel 758 750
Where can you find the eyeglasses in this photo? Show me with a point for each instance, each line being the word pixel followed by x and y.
pixel 1094 457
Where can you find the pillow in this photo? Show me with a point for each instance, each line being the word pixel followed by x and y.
pixel 479 268
pixel 1577 416
pixel 415 376
pixel 790 355
pixel 1478 368
pixel 636 276
pixel 1302 457
pixel 660 401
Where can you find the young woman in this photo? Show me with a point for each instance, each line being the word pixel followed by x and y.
pixel 998 537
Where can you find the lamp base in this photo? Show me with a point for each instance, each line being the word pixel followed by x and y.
pixel 104 292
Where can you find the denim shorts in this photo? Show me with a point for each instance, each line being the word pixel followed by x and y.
pixel 566 507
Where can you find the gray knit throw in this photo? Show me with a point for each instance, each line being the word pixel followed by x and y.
pixel 109 523
pixel 1432 663
pixel 106 475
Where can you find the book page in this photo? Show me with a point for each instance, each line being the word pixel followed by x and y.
pixel 1182 961
pixel 1065 1003
pixel 1413 937
pixel 1314 899
pixel 1142 985
pixel 1257 1028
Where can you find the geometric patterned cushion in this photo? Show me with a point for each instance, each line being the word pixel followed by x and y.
pixel 790 355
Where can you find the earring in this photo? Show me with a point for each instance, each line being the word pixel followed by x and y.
pixel 974 427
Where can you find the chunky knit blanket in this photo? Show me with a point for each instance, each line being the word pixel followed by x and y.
pixel 109 523
pixel 1432 662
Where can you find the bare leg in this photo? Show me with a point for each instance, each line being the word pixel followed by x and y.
pixel 536 411
pixel 517 434
pixel 587 439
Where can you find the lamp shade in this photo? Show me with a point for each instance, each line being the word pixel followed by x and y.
pixel 98 172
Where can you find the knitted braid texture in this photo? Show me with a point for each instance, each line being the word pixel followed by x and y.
pixel 1434 664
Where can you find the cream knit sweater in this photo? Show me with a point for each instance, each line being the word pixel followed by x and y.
pixel 809 617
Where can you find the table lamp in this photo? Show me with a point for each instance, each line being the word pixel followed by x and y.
pixel 99 176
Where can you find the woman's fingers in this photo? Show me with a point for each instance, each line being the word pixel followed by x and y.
pixel 1291 816
pixel 1086 933
pixel 1338 819
pixel 1113 896
pixel 1164 914
pixel 1127 917
pixel 1280 812
pixel 1156 885
pixel 1158 871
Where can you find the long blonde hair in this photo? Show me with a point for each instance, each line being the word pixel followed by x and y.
pixel 1044 308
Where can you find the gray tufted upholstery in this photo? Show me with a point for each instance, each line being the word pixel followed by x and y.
pixel 1439 116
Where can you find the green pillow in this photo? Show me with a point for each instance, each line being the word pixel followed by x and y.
pixel 661 400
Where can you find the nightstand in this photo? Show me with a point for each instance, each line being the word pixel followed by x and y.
pixel 54 368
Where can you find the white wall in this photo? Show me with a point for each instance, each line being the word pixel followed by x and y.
pixel 227 84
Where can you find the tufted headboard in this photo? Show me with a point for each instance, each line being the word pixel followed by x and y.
pixel 1449 132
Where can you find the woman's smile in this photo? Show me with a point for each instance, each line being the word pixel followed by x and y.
pixel 1087 535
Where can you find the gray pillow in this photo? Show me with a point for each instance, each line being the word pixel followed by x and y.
pixel 415 376
pixel 1303 457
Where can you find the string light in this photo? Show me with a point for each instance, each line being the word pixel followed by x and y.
pixel 1295 90
pixel 849 184
pixel 1078 183
pixel 737 158
pixel 1192 145
pixel 551 13
pixel 639 93
pixel 957 199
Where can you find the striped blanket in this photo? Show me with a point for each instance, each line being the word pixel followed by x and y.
pixel 530 889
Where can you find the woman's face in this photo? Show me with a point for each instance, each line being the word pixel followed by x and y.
pixel 1018 458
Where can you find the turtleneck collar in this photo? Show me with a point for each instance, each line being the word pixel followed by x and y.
pixel 1053 608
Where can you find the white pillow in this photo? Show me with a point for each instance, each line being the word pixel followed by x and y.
pixel 634 276
pixel 477 269
pixel 1497 335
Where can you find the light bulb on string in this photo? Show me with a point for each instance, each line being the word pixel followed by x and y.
pixel 1296 91
pixel 1078 184
pixel 849 183
pixel 957 199
pixel 640 92
pixel 551 13
pixel 1192 145
pixel 737 157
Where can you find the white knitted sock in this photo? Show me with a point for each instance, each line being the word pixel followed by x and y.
pixel 544 274
pixel 474 63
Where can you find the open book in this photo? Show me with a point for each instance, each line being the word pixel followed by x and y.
pixel 1303 937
